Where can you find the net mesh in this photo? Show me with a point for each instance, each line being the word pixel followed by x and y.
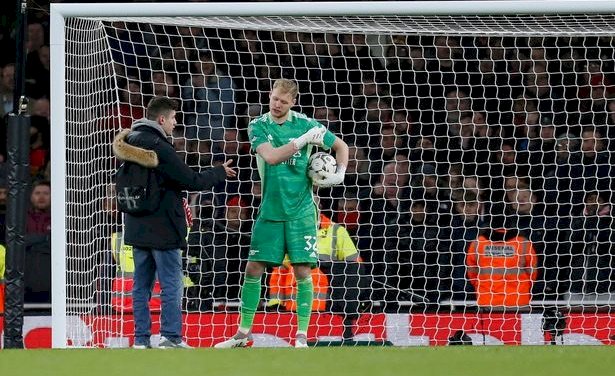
pixel 455 124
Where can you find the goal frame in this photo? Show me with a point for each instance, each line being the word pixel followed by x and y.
pixel 60 12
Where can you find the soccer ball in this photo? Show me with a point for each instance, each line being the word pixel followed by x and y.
pixel 321 162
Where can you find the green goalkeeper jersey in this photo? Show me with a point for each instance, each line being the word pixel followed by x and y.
pixel 286 187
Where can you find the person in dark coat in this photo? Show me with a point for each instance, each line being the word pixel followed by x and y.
pixel 158 238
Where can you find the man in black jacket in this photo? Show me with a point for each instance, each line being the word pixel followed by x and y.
pixel 158 238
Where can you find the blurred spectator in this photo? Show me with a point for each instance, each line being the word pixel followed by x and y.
pixel 358 58
pixel 422 150
pixel 347 213
pixel 39 143
pixel 477 142
pixel 597 169
pixel 39 215
pixel 38 73
pixel 442 64
pixel 36 37
pixel 131 106
pixel 563 183
pixel 37 278
pixel 426 187
pixel 593 261
pixel 164 84
pixel 209 101
pixel 413 250
pixel 40 107
pixel 549 95
pixel 231 246
pixel 327 117
pixel 382 150
pixel 404 125
pixel 409 79
pixel 471 183
pixel 7 87
pixel 610 124
pixel 464 229
pixel 523 108
pixel 526 212
pixel 380 207
pixel 200 253
pixel 456 105
pixel 504 162
pixel 126 45
pixel 233 147
pixel 541 150
pixel 7 43
pixel 593 96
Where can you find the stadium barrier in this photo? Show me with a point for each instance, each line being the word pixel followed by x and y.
pixel 276 329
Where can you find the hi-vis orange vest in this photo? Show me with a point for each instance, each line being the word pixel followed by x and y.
pixel 283 287
pixel 502 272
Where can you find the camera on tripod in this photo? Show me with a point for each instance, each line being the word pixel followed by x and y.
pixel 554 323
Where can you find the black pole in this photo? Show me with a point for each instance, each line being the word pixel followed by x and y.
pixel 18 180
pixel 21 27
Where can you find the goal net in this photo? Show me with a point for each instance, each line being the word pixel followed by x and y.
pixel 478 192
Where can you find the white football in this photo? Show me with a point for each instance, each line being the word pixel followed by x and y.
pixel 321 162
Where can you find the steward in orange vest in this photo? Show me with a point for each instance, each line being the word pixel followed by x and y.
pixel 283 288
pixel 502 267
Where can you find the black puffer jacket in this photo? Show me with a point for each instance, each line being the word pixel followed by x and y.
pixel 146 145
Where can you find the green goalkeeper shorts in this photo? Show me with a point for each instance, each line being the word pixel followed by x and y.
pixel 271 240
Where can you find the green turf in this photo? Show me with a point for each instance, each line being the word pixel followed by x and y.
pixel 450 361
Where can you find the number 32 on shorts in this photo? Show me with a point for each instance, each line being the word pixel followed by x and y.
pixel 310 243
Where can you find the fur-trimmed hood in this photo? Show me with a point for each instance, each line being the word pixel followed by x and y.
pixel 126 152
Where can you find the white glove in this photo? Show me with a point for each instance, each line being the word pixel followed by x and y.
pixel 314 136
pixel 330 179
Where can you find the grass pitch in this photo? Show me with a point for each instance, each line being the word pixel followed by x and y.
pixel 449 361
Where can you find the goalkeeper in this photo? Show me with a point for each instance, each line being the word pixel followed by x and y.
pixel 287 220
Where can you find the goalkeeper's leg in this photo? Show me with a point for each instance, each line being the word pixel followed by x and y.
pixel 305 296
pixel 250 296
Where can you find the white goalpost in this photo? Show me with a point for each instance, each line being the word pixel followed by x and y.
pixel 461 116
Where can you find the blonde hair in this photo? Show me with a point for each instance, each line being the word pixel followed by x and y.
pixel 286 86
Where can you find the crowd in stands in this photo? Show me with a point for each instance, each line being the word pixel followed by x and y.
pixel 443 130
pixel 37 85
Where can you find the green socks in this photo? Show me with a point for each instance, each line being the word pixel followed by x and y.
pixel 250 296
pixel 305 294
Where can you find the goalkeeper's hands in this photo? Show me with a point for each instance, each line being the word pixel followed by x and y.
pixel 330 179
pixel 314 136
